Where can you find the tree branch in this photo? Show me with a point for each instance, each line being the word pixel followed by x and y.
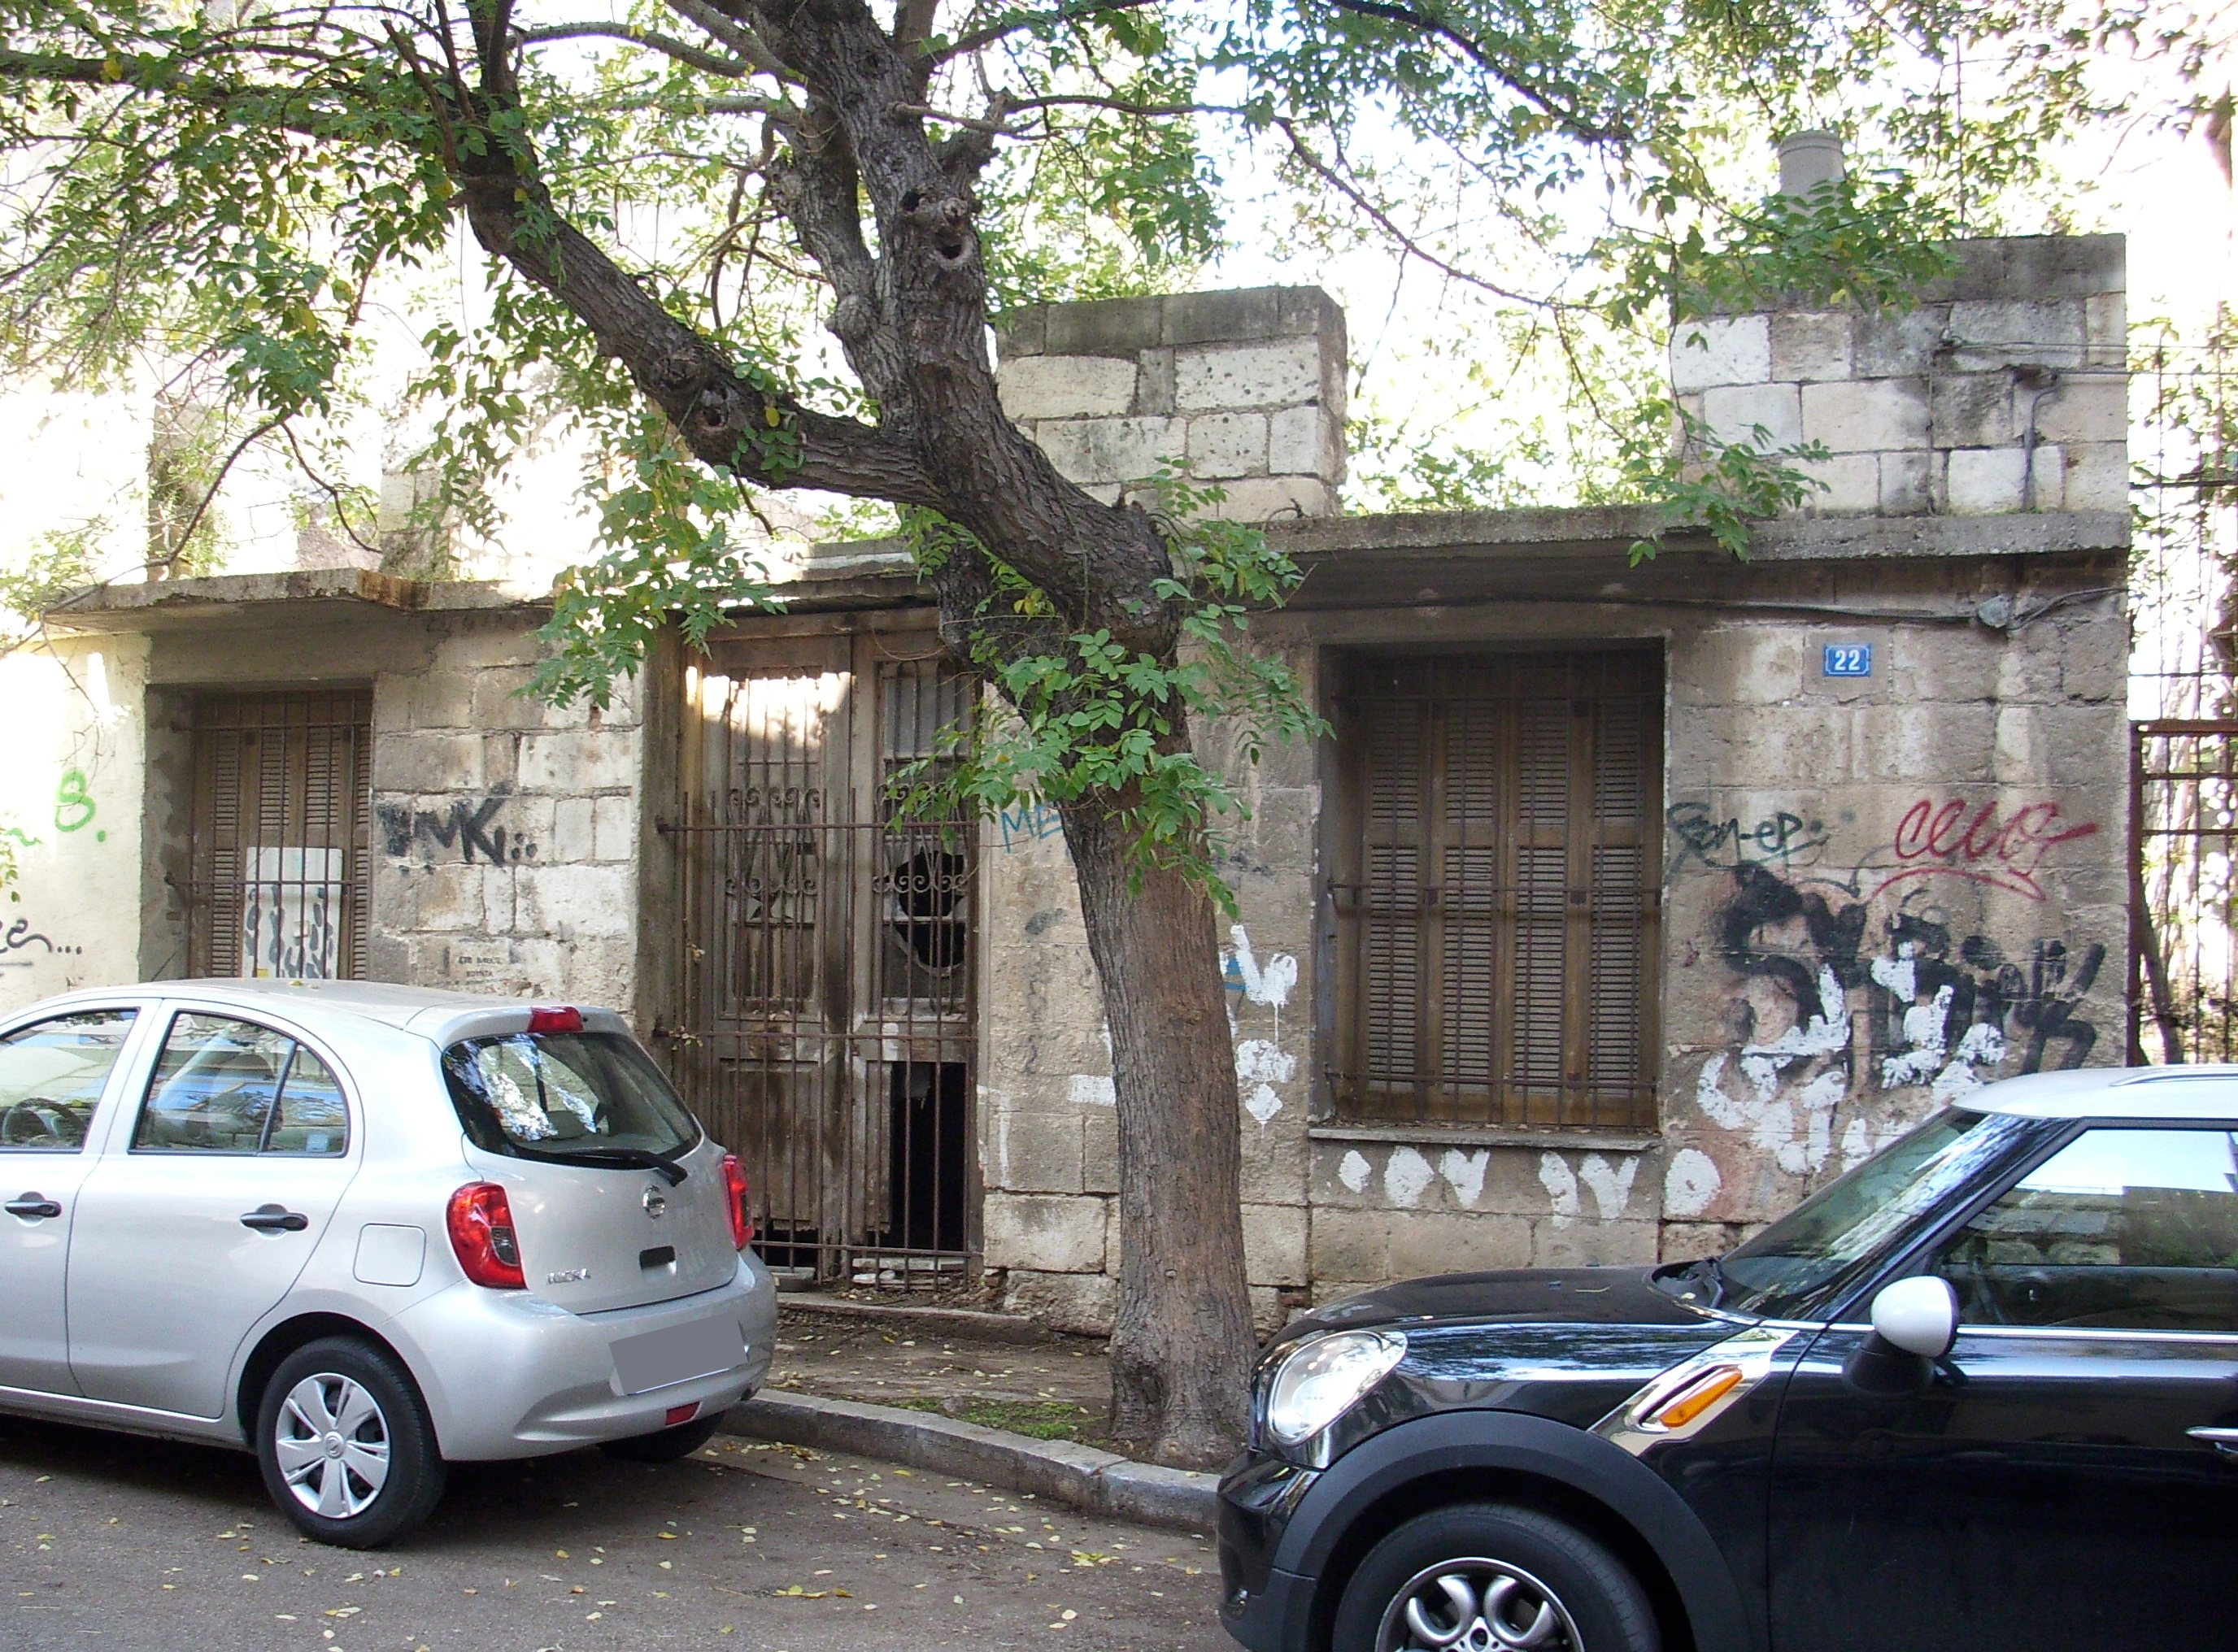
pixel 667 45
pixel 982 37
pixel 737 35
pixel 1407 243
pixel 1576 124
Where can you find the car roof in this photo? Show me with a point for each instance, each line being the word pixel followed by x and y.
pixel 2206 1092
pixel 374 1001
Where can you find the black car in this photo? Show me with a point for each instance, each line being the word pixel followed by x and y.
pixel 1979 1394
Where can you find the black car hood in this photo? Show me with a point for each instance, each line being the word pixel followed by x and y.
pixel 1569 1344
pixel 1514 1296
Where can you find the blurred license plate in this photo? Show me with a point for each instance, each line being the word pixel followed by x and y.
pixel 678 1354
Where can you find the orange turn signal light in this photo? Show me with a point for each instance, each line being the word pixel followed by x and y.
pixel 1698 1396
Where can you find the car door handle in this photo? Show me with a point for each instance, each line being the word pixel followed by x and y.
pixel 2223 1439
pixel 32 1205
pixel 275 1218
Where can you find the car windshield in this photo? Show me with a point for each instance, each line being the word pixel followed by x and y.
pixel 591 1099
pixel 1797 1267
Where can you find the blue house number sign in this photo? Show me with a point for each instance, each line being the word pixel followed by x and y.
pixel 1848 660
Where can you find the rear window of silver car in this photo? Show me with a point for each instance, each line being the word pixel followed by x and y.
pixel 592 1098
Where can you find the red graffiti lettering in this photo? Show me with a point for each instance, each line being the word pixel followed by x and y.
pixel 1983 844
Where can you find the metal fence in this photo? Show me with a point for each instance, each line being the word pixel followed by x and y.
pixel 2184 703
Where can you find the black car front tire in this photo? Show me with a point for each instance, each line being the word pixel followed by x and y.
pixel 344 1440
pixel 1493 1575
pixel 669 1445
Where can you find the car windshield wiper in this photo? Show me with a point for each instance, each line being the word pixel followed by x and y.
pixel 621 1158
pixel 1708 1269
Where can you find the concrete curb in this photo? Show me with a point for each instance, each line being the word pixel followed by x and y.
pixel 960 1322
pixel 1081 1477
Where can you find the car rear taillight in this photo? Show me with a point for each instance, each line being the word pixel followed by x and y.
pixel 734 1182
pixel 561 1019
pixel 481 1232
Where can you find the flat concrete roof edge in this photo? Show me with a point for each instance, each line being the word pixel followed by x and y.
pixel 1596 528
pixel 162 604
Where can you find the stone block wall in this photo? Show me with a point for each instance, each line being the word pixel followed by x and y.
pixel 2004 391
pixel 1243 391
pixel 1881 892
pixel 506 832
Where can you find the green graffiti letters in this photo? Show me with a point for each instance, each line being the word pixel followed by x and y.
pixel 74 809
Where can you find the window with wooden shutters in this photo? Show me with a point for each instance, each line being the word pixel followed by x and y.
pixel 277 860
pixel 1495 888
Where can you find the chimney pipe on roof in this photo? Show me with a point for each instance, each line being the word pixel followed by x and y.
pixel 1809 159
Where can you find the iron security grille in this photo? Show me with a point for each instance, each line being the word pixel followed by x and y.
pixel 2184 898
pixel 277 863
pixel 1496 890
pixel 828 998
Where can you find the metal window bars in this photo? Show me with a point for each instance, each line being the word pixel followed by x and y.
pixel 278 836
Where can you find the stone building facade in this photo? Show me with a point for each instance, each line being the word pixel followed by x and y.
pixel 1625 905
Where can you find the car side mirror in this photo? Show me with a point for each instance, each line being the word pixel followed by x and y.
pixel 1915 1324
pixel 1919 1316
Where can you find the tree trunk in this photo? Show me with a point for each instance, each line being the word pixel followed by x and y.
pixel 1182 1349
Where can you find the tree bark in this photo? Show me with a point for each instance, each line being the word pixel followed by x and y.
pixel 1181 1348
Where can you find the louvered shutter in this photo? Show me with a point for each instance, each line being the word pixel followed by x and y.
pixel 1496 891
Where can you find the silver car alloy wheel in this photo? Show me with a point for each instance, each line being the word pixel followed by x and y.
pixel 332 1442
pixel 1476 1605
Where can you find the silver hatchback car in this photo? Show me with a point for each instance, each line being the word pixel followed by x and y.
pixel 365 1231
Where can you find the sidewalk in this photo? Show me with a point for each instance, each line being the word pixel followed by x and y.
pixel 985 1396
pixel 1055 1388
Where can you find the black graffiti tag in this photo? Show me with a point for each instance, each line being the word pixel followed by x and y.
pixel 1780 837
pixel 2038 1007
pixel 1762 898
pixel 465 825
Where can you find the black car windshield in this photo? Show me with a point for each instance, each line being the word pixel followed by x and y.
pixel 1797 1267
pixel 592 1098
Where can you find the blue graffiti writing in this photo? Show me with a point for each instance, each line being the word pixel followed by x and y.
pixel 1030 824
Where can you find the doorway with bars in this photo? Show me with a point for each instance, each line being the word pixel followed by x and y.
pixel 828 954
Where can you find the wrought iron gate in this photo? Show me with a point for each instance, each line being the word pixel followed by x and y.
pixel 2183 987
pixel 2183 698
pixel 828 956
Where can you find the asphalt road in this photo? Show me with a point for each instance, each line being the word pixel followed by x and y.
pixel 114 1543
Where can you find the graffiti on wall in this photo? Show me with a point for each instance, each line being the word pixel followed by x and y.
pixel 467 827
pixel 17 940
pixel 1029 824
pixel 1867 980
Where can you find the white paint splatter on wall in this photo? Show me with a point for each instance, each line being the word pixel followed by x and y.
pixel 1691 1181
pixel 1464 1173
pixel 1355 1170
pixel 1562 1185
pixel 1610 1185
pixel 1406 1177
pixel 1269 984
pixel 1261 1064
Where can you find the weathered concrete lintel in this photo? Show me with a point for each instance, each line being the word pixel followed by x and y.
pixel 1609 531
pixel 259 598
pixel 1081 1477
pixel 1458 1136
